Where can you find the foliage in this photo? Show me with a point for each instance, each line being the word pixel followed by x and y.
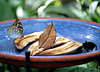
pixel 81 9
pixel 5 11
pixel 88 67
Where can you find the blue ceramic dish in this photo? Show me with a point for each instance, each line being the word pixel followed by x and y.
pixel 74 29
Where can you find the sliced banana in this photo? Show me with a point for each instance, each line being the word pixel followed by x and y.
pixel 34 48
pixel 26 39
pixel 67 48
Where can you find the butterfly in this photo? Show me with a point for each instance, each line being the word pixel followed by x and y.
pixel 15 30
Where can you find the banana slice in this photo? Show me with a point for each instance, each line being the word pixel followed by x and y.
pixel 67 48
pixel 26 39
pixel 34 48
pixel 60 40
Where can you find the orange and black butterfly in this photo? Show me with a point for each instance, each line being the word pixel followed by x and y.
pixel 15 30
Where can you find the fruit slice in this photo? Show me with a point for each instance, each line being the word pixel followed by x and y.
pixel 67 48
pixel 34 48
pixel 26 39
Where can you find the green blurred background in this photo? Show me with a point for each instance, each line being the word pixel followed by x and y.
pixel 80 9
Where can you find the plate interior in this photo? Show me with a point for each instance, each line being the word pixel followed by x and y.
pixel 79 31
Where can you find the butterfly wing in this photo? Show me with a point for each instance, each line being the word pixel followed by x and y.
pixel 15 30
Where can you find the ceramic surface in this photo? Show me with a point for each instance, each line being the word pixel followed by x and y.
pixel 75 29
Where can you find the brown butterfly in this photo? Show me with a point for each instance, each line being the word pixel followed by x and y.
pixel 15 30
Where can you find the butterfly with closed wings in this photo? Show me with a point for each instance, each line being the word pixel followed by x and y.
pixel 15 30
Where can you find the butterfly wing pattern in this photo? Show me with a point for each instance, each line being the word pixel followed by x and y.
pixel 15 30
